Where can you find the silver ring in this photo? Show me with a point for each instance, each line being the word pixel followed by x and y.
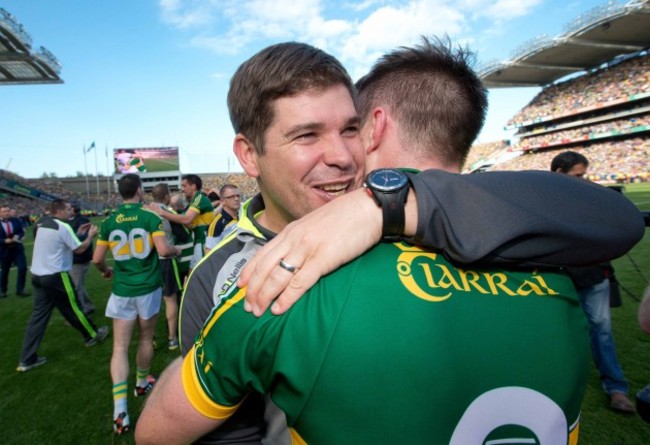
pixel 288 267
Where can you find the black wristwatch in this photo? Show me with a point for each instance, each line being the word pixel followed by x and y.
pixel 390 188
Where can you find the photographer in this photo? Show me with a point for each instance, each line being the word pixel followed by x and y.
pixel 593 286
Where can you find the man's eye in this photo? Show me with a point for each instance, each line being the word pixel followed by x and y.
pixel 351 131
pixel 305 136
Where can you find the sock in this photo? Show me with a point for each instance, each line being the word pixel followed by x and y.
pixel 119 398
pixel 141 377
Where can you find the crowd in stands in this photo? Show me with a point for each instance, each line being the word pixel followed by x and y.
pixel 585 132
pixel 621 161
pixel 54 187
pixel 615 83
pixel 485 150
pixel 247 185
pixel 26 208
pixel 97 203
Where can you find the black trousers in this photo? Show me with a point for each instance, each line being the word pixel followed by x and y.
pixel 52 291
pixel 16 255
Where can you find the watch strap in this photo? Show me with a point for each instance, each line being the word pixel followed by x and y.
pixel 392 207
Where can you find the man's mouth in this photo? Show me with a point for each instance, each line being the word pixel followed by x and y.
pixel 335 189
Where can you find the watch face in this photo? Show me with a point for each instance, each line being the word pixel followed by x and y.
pixel 387 179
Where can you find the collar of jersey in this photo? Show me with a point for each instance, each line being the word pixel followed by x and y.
pixel 251 210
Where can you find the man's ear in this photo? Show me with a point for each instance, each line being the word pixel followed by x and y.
pixel 246 155
pixel 375 129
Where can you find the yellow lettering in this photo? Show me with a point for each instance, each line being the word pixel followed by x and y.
pixel 437 276
pixel 470 278
pixel 542 283
pixel 527 287
pixel 498 280
pixel 447 280
pixel 121 218
pixel 405 273
pixel 428 275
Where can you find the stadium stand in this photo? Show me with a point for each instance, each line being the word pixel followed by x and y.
pixel 584 114
pixel 617 161
pixel 480 154
pixel 19 64
pixel 74 190
pixel 601 110
pixel 627 81
pixel 591 39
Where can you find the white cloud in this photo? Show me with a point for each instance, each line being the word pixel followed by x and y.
pixel 185 14
pixel 356 33
pixel 219 45
pixel 389 27
pixel 508 9
pixel 363 5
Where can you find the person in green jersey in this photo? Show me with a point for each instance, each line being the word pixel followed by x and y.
pixel 172 272
pixel 184 239
pixel 400 345
pixel 129 160
pixel 199 213
pixel 135 238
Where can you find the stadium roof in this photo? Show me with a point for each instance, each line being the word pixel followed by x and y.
pixel 590 40
pixel 18 63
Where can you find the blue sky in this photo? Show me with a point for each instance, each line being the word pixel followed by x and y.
pixel 146 73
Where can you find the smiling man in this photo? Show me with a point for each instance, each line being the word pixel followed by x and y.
pixel 297 129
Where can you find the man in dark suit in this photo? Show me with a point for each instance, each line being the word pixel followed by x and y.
pixel 12 233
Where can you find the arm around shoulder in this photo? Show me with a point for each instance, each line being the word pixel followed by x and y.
pixel 523 218
pixel 164 248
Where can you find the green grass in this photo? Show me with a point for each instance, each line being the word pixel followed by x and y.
pixel 69 401
pixel 161 165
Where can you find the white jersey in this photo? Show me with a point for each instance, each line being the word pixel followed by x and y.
pixel 55 240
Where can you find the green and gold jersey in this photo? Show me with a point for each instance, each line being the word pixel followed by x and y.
pixel 402 346
pixel 138 164
pixel 201 203
pixel 129 235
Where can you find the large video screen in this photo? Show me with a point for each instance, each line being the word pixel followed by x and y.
pixel 145 160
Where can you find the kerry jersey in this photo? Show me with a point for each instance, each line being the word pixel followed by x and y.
pixel 401 346
pixel 201 203
pixel 209 281
pixel 129 235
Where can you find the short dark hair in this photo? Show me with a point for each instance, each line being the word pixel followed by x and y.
pixel 566 160
pixel 226 187
pixel 57 205
pixel 281 70
pixel 434 94
pixel 159 192
pixel 193 179
pixel 128 185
